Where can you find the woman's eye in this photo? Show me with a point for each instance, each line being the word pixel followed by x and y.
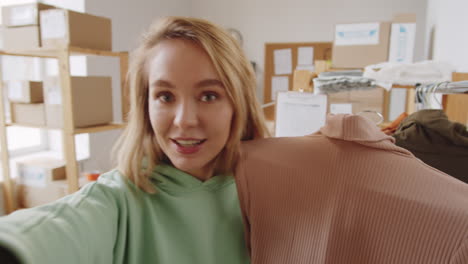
pixel 165 97
pixel 209 97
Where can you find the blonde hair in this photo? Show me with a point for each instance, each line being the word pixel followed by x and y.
pixel 138 143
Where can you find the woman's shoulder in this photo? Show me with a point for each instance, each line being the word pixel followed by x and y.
pixel 113 181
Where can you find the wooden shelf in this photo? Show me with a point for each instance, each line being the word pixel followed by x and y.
pixel 101 128
pixel 62 54
pixel 81 130
pixel 54 53
pixel 82 51
pixel 25 125
pixel 404 86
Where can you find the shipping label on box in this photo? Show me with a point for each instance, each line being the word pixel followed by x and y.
pixel 25 91
pixel 53 24
pixel 402 41
pixel 23 15
pixel 40 171
pixel 360 45
pixel 357 34
pixel 31 175
pixel 15 90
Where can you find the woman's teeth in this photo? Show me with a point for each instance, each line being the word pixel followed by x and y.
pixel 189 143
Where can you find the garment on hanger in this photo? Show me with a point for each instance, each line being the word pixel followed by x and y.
pixel 437 141
pixel 348 195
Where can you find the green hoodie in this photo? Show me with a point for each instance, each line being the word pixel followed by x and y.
pixel 113 221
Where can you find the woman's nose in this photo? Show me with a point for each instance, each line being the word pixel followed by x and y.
pixel 186 114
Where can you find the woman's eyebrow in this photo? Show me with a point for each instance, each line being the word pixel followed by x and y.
pixel 162 83
pixel 204 83
pixel 209 82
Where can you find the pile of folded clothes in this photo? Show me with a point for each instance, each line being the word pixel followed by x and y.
pixel 340 81
pixel 424 72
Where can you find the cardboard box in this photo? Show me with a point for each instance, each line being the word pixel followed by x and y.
pixel 360 45
pixel 24 91
pixel 360 100
pixel 23 15
pixel 61 28
pixel 28 114
pixel 31 196
pixel 302 80
pixel 21 38
pixel 402 38
pixel 40 171
pixel 91 101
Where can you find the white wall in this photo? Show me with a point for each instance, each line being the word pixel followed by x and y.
pixel 449 22
pixel 131 17
pixel 263 21
pixel 129 20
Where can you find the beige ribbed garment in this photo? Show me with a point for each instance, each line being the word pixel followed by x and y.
pixel 348 195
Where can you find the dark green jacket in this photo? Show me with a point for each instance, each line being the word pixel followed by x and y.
pixel 437 141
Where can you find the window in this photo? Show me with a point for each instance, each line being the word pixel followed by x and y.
pixel 23 140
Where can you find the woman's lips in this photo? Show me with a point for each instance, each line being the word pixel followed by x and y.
pixel 188 146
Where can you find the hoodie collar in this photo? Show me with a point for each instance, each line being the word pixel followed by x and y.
pixel 174 180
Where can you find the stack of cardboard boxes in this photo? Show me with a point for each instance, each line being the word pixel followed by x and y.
pixel 27 102
pixel 362 44
pixel 41 180
pixel 22 26
pixel 91 102
pixel 63 28
pixel 35 25
pixel 359 45
pixel 29 27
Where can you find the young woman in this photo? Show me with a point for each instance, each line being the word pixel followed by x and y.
pixel 173 198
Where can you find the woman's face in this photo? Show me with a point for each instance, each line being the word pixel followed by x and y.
pixel 189 109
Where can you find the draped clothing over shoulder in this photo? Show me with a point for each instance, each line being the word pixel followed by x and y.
pixel 348 194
